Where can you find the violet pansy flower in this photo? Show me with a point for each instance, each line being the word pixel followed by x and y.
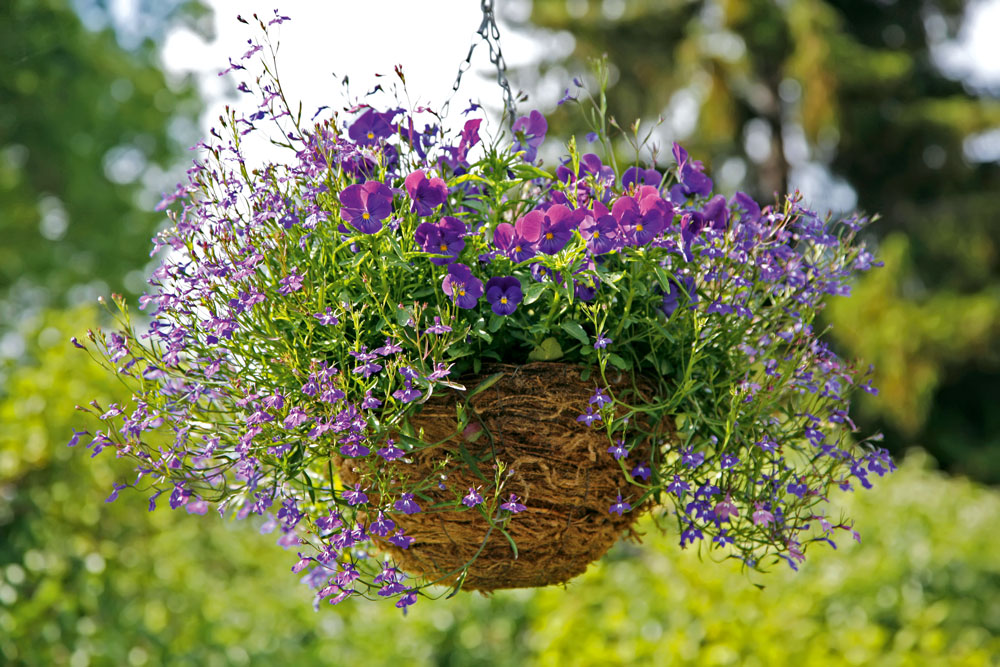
pixel 463 287
pixel 426 193
pixel 366 206
pixel 504 294
pixel 529 132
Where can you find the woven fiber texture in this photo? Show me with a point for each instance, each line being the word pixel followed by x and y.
pixel 559 468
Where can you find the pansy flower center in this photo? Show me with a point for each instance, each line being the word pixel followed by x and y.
pixel 503 299
pixel 444 248
pixel 517 248
pixel 548 235
pixel 366 216
pixel 638 227
pixel 371 135
pixel 461 290
pixel 597 234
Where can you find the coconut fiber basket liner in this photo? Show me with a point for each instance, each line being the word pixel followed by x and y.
pixel 559 468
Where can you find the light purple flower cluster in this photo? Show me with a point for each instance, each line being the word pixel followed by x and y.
pixel 306 308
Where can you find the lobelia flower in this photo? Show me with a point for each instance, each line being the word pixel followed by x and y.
pixel 512 505
pixel 529 132
pixel 601 343
pixel 366 206
pixel 426 193
pixel 726 509
pixel 504 294
pixel 620 506
pixel 463 287
pixel 472 498
pixel 406 504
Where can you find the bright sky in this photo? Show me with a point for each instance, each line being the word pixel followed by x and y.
pixel 359 39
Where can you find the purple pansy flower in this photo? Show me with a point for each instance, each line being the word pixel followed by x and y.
pixel 518 241
pixel 530 133
pixel 600 230
pixel 366 206
pixel 691 180
pixel 556 227
pixel 442 238
pixel 371 126
pixel 504 294
pixel 426 193
pixel 463 287
pixel 640 176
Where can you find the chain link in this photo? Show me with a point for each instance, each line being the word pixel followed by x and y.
pixel 490 33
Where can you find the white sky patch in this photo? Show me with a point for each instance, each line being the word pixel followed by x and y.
pixel 357 39
pixel 975 55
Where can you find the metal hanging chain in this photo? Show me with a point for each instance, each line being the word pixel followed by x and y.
pixel 490 33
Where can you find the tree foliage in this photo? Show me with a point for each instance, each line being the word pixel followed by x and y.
pixel 86 129
pixel 838 91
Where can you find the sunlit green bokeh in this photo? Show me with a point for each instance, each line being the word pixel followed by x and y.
pixel 84 581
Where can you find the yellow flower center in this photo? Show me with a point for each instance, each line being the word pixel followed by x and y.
pixel 365 216
pixel 503 299
pixel 638 227
pixel 444 248
pixel 548 235
pixel 371 135
pixel 461 291
pixel 597 234
pixel 517 248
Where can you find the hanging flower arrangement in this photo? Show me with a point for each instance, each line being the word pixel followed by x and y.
pixel 428 359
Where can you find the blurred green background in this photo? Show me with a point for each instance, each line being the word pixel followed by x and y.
pixel 844 99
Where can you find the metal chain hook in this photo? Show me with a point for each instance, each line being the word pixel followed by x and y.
pixel 490 33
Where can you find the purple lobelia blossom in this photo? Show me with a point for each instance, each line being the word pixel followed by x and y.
pixel 444 237
pixel 366 206
pixel 529 132
pixel 512 505
pixel 472 498
pixel 504 294
pixel 463 287
pixel 620 506
pixel 406 504
pixel 426 193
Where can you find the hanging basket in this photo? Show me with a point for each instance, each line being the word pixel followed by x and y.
pixel 559 468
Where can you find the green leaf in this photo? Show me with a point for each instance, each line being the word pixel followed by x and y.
pixel 549 350
pixel 576 331
pixel 485 384
pixel 619 363
pixel 533 293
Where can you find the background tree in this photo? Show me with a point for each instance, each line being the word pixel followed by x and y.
pixel 88 131
pixel 845 99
